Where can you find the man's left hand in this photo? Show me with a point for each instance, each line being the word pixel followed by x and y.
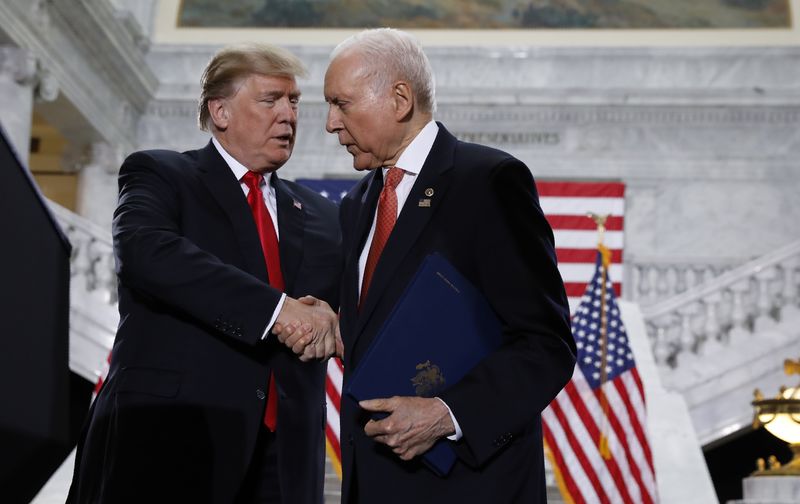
pixel 414 424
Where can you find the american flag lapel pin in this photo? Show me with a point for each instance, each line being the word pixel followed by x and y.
pixel 426 202
pixel 297 204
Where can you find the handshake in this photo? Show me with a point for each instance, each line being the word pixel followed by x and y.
pixel 309 328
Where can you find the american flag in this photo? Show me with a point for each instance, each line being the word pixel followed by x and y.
pixel 565 205
pixel 595 430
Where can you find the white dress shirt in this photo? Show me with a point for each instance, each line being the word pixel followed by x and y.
pixel 410 161
pixel 268 192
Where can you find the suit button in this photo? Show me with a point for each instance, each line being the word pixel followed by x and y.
pixel 260 394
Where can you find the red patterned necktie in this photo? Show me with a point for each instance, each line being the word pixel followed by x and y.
pixel 384 223
pixel 269 245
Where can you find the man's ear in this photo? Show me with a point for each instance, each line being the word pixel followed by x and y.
pixel 218 110
pixel 403 98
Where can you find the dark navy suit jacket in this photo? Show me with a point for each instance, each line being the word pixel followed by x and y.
pixel 485 218
pixel 178 416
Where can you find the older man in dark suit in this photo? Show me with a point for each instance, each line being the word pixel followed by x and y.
pixel 428 192
pixel 202 403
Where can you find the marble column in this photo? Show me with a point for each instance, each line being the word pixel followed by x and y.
pixel 97 184
pixel 17 80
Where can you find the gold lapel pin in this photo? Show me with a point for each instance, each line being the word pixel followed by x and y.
pixel 429 192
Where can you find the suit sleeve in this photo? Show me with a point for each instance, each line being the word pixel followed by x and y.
pixel 158 262
pixel 515 257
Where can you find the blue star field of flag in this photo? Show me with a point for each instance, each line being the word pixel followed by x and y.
pixel 586 329
pixel 333 189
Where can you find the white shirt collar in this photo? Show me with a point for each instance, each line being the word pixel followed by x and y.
pixel 236 167
pixel 412 159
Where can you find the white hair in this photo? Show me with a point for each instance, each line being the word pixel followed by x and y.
pixel 393 54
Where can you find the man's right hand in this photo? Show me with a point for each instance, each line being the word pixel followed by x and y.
pixel 309 328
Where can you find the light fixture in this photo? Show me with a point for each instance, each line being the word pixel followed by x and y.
pixel 781 417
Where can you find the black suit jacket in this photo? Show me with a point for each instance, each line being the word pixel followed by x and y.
pixel 178 416
pixel 485 218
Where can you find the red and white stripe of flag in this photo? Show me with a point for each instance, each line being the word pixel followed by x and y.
pixel 565 205
pixel 572 428
pixel 333 394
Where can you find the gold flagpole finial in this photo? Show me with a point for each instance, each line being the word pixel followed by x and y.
pixel 600 220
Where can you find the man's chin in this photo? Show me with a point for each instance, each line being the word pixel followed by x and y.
pixel 275 163
pixel 361 164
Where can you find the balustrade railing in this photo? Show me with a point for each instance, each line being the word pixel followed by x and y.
pixel 650 280
pixel 731 307
pixel 93 292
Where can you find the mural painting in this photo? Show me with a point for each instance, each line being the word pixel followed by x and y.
pixel 485 14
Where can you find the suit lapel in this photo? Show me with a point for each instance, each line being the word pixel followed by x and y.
pixel 291 223
pixel 413 218
pixel 226 190
pixel 361 214
pixel 369 204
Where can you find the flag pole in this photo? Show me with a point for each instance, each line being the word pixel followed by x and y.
pixel 605 255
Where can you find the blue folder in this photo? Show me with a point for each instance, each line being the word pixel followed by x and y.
pixel 441 327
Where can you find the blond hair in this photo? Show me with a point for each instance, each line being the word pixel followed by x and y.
pixel 233 64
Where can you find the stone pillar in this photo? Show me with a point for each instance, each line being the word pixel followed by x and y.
pixel 17 79
pixel 97 184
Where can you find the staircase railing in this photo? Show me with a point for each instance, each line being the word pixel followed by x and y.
pixel 733 306
pixel 93 293
pixel 650 280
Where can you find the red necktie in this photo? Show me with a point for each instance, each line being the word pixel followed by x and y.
pixel 384 223
pixel 269 245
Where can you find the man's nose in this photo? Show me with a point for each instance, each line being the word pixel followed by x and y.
pixel 287 111
pixel 333 123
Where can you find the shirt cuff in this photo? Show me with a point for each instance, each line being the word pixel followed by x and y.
pixel 458 435
pixel 274 317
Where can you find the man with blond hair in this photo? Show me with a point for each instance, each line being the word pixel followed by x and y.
pixel 213 251
pixel 428 192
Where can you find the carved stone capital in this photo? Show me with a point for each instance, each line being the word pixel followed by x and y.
pixel 27 70
pixel 19 64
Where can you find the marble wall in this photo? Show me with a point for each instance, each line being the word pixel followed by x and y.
pixel 705 139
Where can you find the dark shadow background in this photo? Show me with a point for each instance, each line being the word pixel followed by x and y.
pixel 42 402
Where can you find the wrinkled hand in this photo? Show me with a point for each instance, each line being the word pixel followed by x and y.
pixel 338 345
pixel 309 328
pixel 413 426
